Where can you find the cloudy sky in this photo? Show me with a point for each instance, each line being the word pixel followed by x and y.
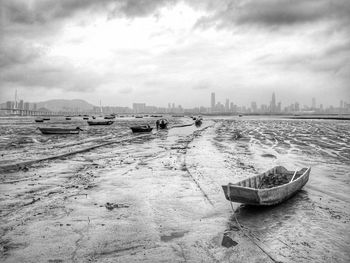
pixel 160 51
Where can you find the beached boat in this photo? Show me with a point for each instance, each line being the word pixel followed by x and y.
pixel 39 120
pixel 141 128
pixel 56 130
pixel 269 188
pixel 100 122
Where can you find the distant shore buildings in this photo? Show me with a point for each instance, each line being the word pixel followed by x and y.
pixel 216 107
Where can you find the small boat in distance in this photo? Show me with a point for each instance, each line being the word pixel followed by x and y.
pixel 85 118
pixel 68 118
pixel 56 130
pixel 141 128
pixel 39 120
pixel 109 117
pixel 270 188
pixel 46 119
pixel 100 122
pixel 138 116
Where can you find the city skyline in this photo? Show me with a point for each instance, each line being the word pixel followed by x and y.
pixel 274 106
pixel 159 51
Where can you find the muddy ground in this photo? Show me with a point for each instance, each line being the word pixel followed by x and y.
pixel 158 198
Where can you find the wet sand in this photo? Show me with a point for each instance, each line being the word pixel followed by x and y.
pixel 158 198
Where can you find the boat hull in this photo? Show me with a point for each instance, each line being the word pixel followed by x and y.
pixel 140 129
pixel 59 131
pixel 100 122
pixel 247 191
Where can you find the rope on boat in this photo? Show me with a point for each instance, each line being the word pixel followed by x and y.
pixel 243 231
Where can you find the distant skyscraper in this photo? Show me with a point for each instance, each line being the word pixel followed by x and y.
pixel 253 106
pixel 26 105
pixel 273 103
pixel 16 104
pixel 212 100
pixel 21 105
pixel 227 105
pixel 313 103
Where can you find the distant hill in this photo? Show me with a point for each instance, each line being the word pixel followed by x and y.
pixel 65 105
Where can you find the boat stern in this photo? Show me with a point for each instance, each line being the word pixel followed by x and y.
pixel 238 194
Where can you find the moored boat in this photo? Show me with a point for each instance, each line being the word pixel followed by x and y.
pixel 100 122
pixel 85 118
pixel 39 120
pixel 57 130
pixel 68 118
pixel 46 119
pixel 269 188
pixel 141 128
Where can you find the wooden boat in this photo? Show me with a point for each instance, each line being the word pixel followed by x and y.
pixel 141 128
pixel 269 188
pixel 39 120
pixel 100 122
pixel 55 130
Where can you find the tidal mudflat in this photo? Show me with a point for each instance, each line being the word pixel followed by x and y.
pixel 157 197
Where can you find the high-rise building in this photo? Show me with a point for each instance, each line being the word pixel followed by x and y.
pixel 26 106
pixel 313 103
pixel 227 105
pixel 212 101
pixel 21 104
pixel 253 106
pixel 273 103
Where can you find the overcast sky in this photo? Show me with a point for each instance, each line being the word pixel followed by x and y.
pixel 160 51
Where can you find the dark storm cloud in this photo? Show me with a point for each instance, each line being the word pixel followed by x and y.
pixel 272 13
pixel 44 11
pixel 16 52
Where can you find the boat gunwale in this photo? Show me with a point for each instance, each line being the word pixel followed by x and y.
pixel 235 185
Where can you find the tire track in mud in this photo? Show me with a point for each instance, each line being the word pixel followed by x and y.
pixel 185 168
